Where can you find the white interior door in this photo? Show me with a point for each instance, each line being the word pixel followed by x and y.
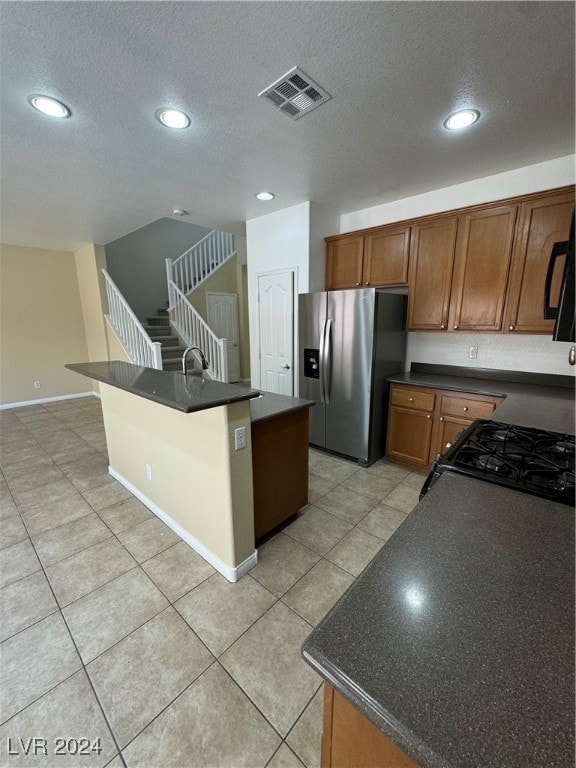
pixel 276 324
pixel 222 312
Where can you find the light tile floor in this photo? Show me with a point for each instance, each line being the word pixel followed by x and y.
pixel 121 642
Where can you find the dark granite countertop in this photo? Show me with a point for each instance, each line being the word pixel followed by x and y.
pixel 527 404
pixel 270 405
pixel 457 641
pixel 170 388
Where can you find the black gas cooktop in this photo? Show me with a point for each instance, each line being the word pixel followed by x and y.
pixel 522 458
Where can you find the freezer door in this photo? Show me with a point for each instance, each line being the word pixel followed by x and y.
pixel 311 325
pixel 349 371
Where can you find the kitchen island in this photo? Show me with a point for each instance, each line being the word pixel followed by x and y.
pixel 183 446
pixel 280 428
pixel 455 646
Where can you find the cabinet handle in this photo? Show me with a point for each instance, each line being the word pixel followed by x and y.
pixel 511 328
pixel 357 283
pixel 442 327
pixel 465 407
pixel 429 416
pixel 411 399
pixel 455 327
pixel 441 418
pixel 367 282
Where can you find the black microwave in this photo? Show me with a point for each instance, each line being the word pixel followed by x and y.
pixel 563 314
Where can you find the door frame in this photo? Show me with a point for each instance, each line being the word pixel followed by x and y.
pixel 256 381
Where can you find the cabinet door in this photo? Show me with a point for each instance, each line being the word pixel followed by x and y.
pixel 344 263
pixel 448 429
pixel 431 262
pixel 386 257
pixel 350 740
pixel 481 266
pixel 409 437
pixel 542 223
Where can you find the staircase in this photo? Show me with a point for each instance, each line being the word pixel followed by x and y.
pixel 158 343
pixel 159 329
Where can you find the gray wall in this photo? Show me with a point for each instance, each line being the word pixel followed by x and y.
pixel 136 262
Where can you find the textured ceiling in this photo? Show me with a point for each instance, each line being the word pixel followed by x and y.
pixel 395 70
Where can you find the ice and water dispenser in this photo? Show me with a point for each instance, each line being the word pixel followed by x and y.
pixel 312 363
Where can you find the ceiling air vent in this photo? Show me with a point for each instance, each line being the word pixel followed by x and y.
pixel 295 94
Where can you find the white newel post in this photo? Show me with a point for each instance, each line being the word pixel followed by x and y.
pixel 223 355
pixel 157 355
pixel 169 278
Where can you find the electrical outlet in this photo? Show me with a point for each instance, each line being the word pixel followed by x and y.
pixel 148 471
pixel 36 385
pixel 240 438
pixel 473 353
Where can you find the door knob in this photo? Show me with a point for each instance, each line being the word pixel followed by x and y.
pixel 286 366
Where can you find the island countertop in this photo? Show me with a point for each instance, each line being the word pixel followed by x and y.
pixel 171 388
pixel 270 405
pixel 457 640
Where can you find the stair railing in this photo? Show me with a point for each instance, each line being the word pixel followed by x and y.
pixel 129 330
pixel 196 264
pixel 190 326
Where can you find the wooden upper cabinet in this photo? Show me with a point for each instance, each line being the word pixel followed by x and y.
pixel 376 259
pixel 542 223
pixel 386 257
pixel 344 258
pixel 431 261
pixel 481 267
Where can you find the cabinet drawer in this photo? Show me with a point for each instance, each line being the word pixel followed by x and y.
pixel 412 398
pixel 451 405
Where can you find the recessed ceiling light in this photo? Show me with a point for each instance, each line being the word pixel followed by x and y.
pixel 265 196
pixel 180 212
pixel 173 118
pixel 48 106
pixel 461 119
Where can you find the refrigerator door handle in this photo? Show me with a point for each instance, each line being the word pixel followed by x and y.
pixel 322 363
pixel 327 360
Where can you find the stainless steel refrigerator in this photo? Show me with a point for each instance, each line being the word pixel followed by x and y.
pixel 349 343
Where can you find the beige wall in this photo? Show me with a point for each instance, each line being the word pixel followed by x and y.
pixel 244 321
pixel 198 479
pixel 41 324
pixel 89 264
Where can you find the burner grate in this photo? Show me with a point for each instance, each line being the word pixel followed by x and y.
pixel 530 460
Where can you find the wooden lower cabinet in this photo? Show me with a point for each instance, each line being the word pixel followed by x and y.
pixel 422 420
pixel 279 469
pixel 350 740
pixel 409 437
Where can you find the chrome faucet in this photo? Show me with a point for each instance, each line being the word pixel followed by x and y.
pixel 202 358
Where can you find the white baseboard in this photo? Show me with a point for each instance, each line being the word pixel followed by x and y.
pixel 43 400
pixel 231 573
